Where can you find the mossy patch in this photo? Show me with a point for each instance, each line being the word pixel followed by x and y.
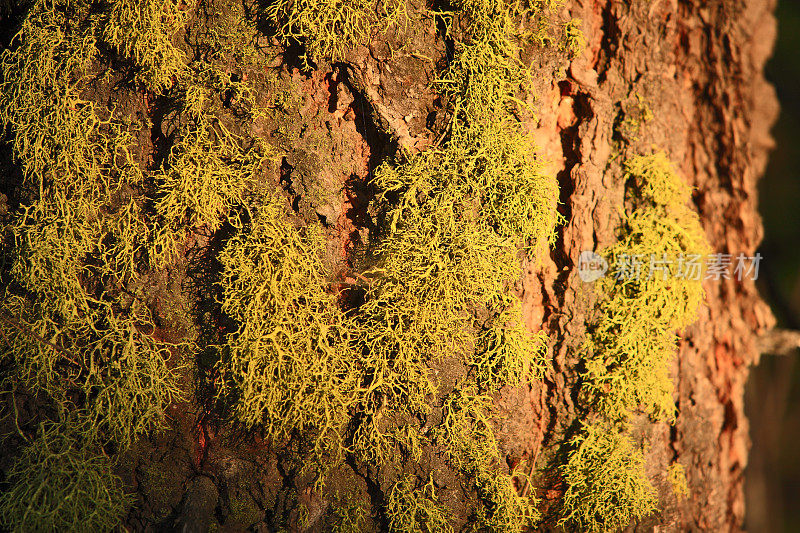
pixel 61 483
pixel 629 348
pixel 606 483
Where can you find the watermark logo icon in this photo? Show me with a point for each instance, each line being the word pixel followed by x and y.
pixel 591 266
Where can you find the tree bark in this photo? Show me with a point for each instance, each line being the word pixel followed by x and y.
pixel 698 66
pixel 684 76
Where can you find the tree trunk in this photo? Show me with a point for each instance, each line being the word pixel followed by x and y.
pixel 680 76
pixel 699 66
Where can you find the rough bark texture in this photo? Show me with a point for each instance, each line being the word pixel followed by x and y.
pixel 698 67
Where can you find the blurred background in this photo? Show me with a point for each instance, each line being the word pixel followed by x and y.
pixel 773 392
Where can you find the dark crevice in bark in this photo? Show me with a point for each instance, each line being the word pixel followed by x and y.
pixel 383 145
pixel 369 123
pixel 570 147
pixel 609 42
pixel 376 496
pixel 288 185
pixel 203 271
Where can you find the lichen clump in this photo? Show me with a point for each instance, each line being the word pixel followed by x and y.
pixel 71 327
pixel 412 508
pixel 291 364
pixel 458 216
pixel 76 321
pixel 329 28
pixel 342 382
pixel 606 483
pixel 630 347
pixel 61 483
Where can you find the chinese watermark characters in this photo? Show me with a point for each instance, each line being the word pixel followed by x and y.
pixel 592 266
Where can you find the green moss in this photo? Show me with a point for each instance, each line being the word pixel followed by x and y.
pixel 330 28
pixel 290 362
pixel 244 510
pixel 161 488
pixel 75 326
pixel 631 346
pixel 437 263
pixel 144 31
pixel 61 483
pixel 605 480
pixel 97 363
pixel 412 508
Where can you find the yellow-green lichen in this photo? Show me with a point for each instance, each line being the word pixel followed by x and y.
pixel 296 364
pixel 330 28
pixel 60 482
pixel 348 514
pixel 458 216
pixel 144 31
pixel 630 347
pixel 461 214
pixel 413 507
pixel 290 364
pixel 72 330
pixel 676 475
pixel 230 36
pixel 574 40
pixel 605 479
pixel 503 509
pixel 467 434
pixel 466 430
pixel 637 113
pixel 207 174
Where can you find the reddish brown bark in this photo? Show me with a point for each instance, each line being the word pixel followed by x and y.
pixel 698 65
